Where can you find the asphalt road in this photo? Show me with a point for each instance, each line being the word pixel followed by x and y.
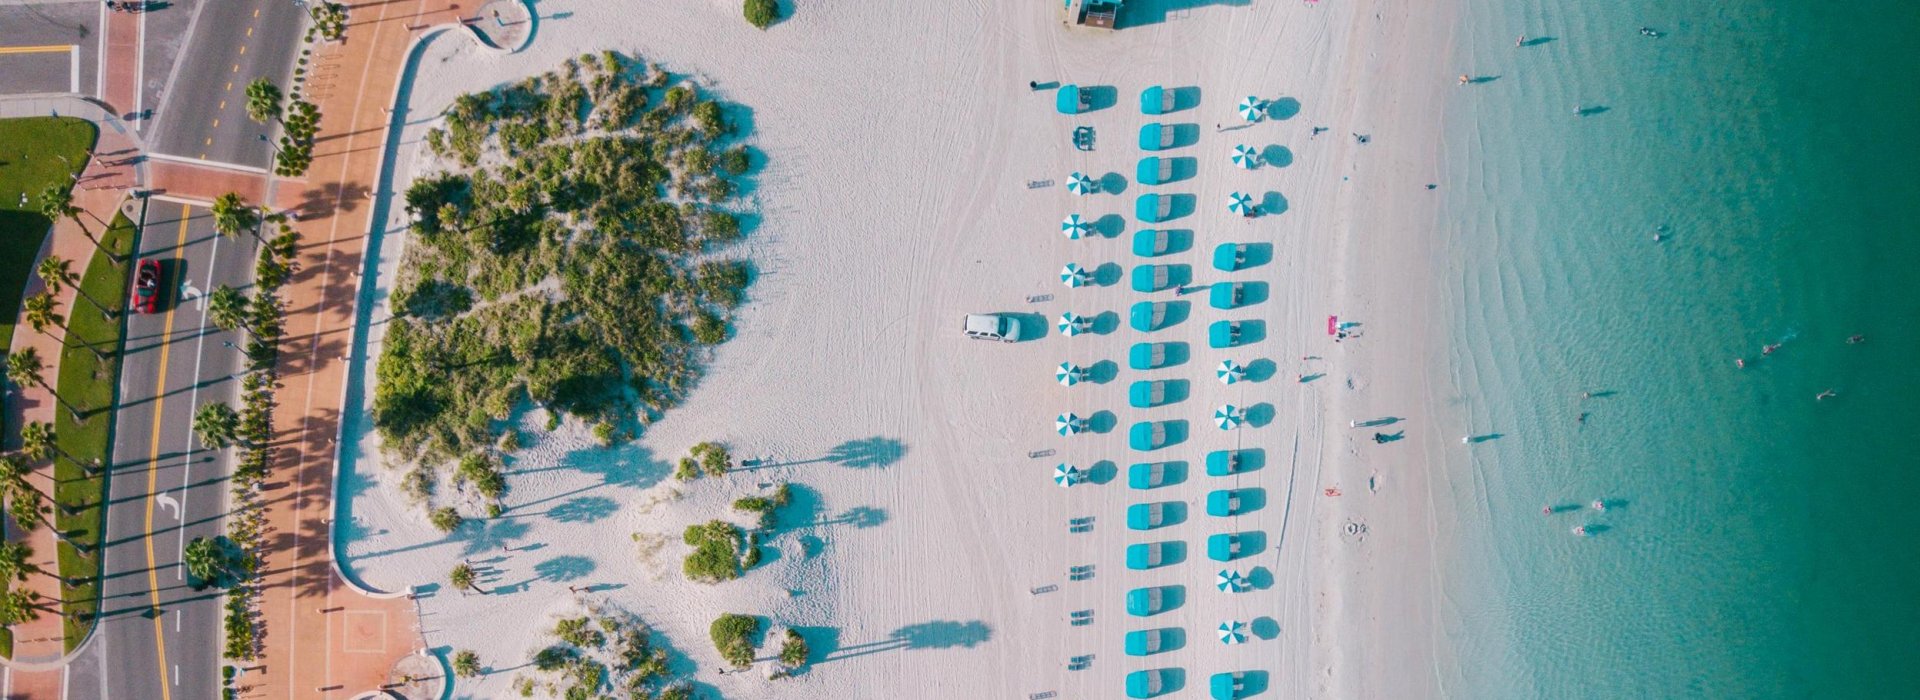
pixel 33 47
pixel 203 114
pixel 160 639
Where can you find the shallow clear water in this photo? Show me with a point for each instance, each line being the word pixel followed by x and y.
pixel 1759 543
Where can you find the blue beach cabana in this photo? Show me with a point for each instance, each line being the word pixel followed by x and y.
pixel 1153 555
pixel 1223 334
pixel 1153 600
pixel 1233 545
pixel 1147 356
pixel 1236 685
pixel 1147 516
pixel 1147 436
pixel 1226 296
pixel 1147 316
pixel 1154 170
pixel 1156 100
pixel 1153 641
pixel 1226 503
pixel 1228 257
pixel 1149 243
pixel 1225 462
pixel 1156 136
pixel 1152 278
pixel 1147 394
pixel 1153 208
pixel 1144 476
pixel 1072 100
pixel 1152 683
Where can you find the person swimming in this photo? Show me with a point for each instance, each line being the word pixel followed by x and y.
pixel 1856 339
pixel 1580 530
pixel 1600 505
pixel 1824 395
pixel 1768 349
pixel 1740 363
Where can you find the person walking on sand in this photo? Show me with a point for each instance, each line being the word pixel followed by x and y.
pixel 1464 79
pixel 1522 41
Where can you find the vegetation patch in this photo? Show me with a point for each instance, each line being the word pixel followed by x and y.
pixel 34 152
pixel 603 653
pixel 733 635
pixel 707 458
pixel 721 550
pixel 766 508
pixel 566 258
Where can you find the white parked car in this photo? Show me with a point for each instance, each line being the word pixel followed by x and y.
pixel 1001 327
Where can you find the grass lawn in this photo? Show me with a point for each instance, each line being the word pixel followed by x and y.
pixel 89 384
pixel 27 165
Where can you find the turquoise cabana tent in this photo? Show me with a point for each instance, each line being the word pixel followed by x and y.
pixel 1147 393
pixel 1147 355
pixel 1230 546
pixel 1071 100
pixel 1152 278
pixel 1156 136
pixel 1147 436
pixel 1153 555
pixel 1226 296
pixel 1228 257
pixel 1156 100
pixel 1225 503
pixel 1150 475
pixel 1223 334
pixel 1147 516
pixel 1151 683
pixel 1152 600
pixel 1152 208
pixel 1224 462
pixel 1148 243
pixel 1153 641
pixel 1236 685
pixel 1154 170
pixel 1147 316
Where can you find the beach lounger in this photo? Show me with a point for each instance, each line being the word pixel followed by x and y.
pixel 1153 641
pixel 1223 334
pixel 1148 243
pixel 1156 136
pixel 1147 356
pixel 1225 462
pixel 1229 257
pixel 1153 555
pixel 1153 208
pixel 1154 170
pixel 1147 436
pixel 1226 296
pixel 1153 475
pixel 1151 278
pixel 1072 100
pixel 1148 316
pixel 1151 683
pixel 1147 516
pixel 1147 393
pixel 1156 100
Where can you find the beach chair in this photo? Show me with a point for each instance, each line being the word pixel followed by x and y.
pixel 1149 243
pixel 1226 296
pixel 1153 475
pixel 1153 555
pixel 1229 257
pixel 1072 100
pixel 1147 356
pixel 1147 394
pixel 1156 136
pixel 1148 316
pixel 1151 278
pixel 1156 100
pixel 1225 462
pixel 1224 503
pixel 1154 170
pixel 1147 516
pixel 1153 641
pixel 1223 334
pixel 1151 683
pixel 1147 436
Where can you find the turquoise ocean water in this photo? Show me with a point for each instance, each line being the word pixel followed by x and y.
pixel 1759 543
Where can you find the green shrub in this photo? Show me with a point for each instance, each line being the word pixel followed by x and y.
pixel 466 664
pixel 793 650
pixel 713 458
pixel 733 636
pixel 716 552
pixel 445 519
pixel 575 631
pixel 762 13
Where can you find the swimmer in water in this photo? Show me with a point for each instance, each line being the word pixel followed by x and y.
pixel 1824 395
pixel 1856 339
pixel 1546 510
pixel 1580 530
pixel 1583 418
pixel 1740 363
pixel 1768 350
pixel 1600 506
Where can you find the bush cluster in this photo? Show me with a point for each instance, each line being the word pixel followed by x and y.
pixel 605 650
pixel 707 458
pixel 765 508
pixel 733 636
pixel 716 556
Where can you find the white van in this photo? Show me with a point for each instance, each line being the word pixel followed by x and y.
pixel 999 327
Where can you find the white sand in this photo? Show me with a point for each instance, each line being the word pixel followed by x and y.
pixel 901 136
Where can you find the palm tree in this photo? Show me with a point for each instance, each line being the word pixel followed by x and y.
pixel 462 577
pixel 28 509
pixel 57 273
pixel 40 312
pixel 24 367
pixel 217 425
pixel 202 557
pixel 227 307
pixel 263 100
pixel 16 562
pixel 18 605
pixel 38 442
pixel 56 202
pixel 13 475
pixel 231 215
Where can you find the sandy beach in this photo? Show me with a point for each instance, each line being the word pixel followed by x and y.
pixel 928 554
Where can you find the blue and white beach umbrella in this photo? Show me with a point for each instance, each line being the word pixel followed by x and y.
pixel 1228 417
pixel 1239 203
pixel 1230 581
pixel 1074 275
pixel 1069 424
pixel 1072 323
pixel 1245 157
pixel 1070 374
pixel 1253 108
pixel 1066 475
pixel 1075 227
pixel 1230 372
pixel 1079 183
pixel 1233 632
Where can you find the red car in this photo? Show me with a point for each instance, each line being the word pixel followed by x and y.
pixel 146 287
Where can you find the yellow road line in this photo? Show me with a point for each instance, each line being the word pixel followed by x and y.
pixel 243 49
pixel 153 478
pixel 236 68
pixel 216 125
pixel 229 86
pixel 49 48
pixel 250 31
pixel 223 104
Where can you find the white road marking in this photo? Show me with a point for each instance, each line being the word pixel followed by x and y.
pixel 188 292
pixel 167 502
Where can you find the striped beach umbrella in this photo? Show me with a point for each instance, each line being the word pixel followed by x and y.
pixel 1079 183
pixel 1066 475
pixel 1229 417
pixel 1075 227
pixel 1073 324
pixel 1074 275
pixel 1069 374
pixel 1069 424
pixel 1253 108
pixel 1245 157
pixel 1230 372
pixel 1239 203
pixel 1233 632
pixel 1230 581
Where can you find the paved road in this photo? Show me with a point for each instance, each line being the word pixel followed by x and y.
pixel 160 638
pixel 203 114
pixel 43 45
